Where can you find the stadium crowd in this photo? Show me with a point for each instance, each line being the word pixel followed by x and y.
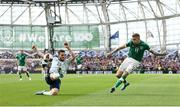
pixel 150 63
pixel 97 62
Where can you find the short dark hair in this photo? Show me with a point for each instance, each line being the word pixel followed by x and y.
pixel 135 35
pixel 61 51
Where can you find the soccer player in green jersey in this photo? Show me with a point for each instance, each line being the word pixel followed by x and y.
pixel 136 51
pixel 79 61
pixel 21 61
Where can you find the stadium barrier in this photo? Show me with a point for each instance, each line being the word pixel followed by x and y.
pixel 94 72
pixel 36 71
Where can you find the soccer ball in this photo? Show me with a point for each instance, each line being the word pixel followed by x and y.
pixel 47 56
pixel 54 76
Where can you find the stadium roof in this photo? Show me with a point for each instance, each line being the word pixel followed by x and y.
pixel 54 1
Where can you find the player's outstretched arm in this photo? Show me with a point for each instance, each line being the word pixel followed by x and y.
pixel 35 50
pixel 66 45
pixel 28 54
pixel 156 53
pixel 115 50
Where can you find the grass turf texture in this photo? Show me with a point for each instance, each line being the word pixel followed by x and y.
pixel 92 90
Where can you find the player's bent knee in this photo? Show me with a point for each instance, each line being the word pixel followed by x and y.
pixel 118 75
pixel 54 91
pixel 125 74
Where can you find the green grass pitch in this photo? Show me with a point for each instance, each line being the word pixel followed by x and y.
pixel 92 90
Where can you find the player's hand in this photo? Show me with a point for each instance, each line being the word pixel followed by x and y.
pixel 66 45
pixel 34 48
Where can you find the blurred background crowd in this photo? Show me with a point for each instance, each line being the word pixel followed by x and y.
pixel 96 60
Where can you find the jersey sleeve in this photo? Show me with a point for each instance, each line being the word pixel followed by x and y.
pixel 147 47
pixel 17 56
pixel 128 44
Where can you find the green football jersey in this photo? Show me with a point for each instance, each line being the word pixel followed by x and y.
pixel 21 59
pixel 137 51
pixel 79 60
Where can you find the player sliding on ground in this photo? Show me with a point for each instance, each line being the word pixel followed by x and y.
pixel 58 67
pixel 135 55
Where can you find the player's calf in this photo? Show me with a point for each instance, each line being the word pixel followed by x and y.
pixel 118 83
pixel 20 76
pixel 27 73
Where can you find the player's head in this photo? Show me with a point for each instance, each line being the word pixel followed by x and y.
pixel 61 55
pixel 34 48
pixel 136 38
pixel 21 51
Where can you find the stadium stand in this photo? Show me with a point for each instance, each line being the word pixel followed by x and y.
pixel 98 62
